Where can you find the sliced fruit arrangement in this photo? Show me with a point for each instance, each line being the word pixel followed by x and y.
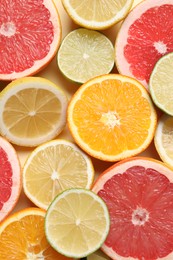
pixel 144 37
pixel 32 111
pixel 54 167
pixel 85 54
pixel 30 34
pixel 10 178
pixel 161 83
pixel 22 236
pixel 77 223
pixel 94 14
pixel 112 117
pixel 163 139
pixel 98 255
pixel 139 195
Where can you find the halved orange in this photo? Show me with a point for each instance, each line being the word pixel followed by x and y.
pixel 112 117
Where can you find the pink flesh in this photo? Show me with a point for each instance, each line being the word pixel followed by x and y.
pixel 5 178
pixel 32 38
pixel 144 188
pixel 155 25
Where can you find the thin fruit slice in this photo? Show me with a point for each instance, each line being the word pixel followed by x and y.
pixel 30 34
pixel 163 139
pixel 77 223
pixel 94 14
pixel 22 236
pixel 144 37
pixel 54 167
pixel 85 54
pixel 139 196
pixel 161 83
pixel 98 255
pixel 32 111
pixel 10 178
pixel 112 117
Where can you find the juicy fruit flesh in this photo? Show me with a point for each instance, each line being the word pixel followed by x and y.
pixel 109 112
pixel 140 203
pixel 22 109
pixel 6 182
pixel 25 37
pixel 167 139
pixel 152 36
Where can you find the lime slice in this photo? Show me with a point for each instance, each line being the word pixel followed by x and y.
pixel 77 223
pixel 161 84
pixel 85 54
pixel 98 255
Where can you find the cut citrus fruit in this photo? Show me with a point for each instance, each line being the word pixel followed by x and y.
pixel 98 255
pixel 54 167
pixel 144 37
pixel 10 178
pixel 163 139
pixel 85 54
pixel 22 236
pixel 32 111
pixel 77 223
pixel 30 34
pixel 111 117
pixel 139 196
pixel 94 14
pixel 161 83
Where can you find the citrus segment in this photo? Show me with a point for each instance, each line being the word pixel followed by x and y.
pixel 161 83
pixel 22 236
pixel 98 255
pixel 54 167
pixel 77 223
pixel 30 34
pixel 84 54
pixel 144 37
pixel 163 139
pixel 112 117
pixel 32 111
pixel 139 195
pixel 10 178
pixel 95 14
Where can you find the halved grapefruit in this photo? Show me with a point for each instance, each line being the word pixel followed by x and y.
pixel 139 196
pixel 144 37
pixel 10 178
pixel 30 34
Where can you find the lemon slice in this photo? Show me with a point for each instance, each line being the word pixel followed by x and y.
pixel 96 14
pixel 85 54
pixel 54 167
pixel 32 111
pixel 164 139
pixel 77 223
pixel 161 83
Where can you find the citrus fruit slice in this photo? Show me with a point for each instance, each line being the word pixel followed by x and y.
pixel 144 37
pixel 22 236
pixel 112 117
pixel 10 178
pixel 139 195
pixel 163 139
pixel 94 14
pixel 53 167
pixel 32 111
pixel 85 54
pixel 30 34
pixel 98 255
pixel 77 223
pixel 161 83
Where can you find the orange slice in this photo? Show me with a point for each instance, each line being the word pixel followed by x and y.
pixel 22 237
pixel 112 117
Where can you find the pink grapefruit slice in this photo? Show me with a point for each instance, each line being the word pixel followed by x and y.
pixel 139 196
pixel 144 37
pixel 30 34
pixel 10 178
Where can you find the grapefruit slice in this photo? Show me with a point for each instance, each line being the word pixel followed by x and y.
pixel 139 196
pixel 10 178
pixel 144 37
pixel 30 34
